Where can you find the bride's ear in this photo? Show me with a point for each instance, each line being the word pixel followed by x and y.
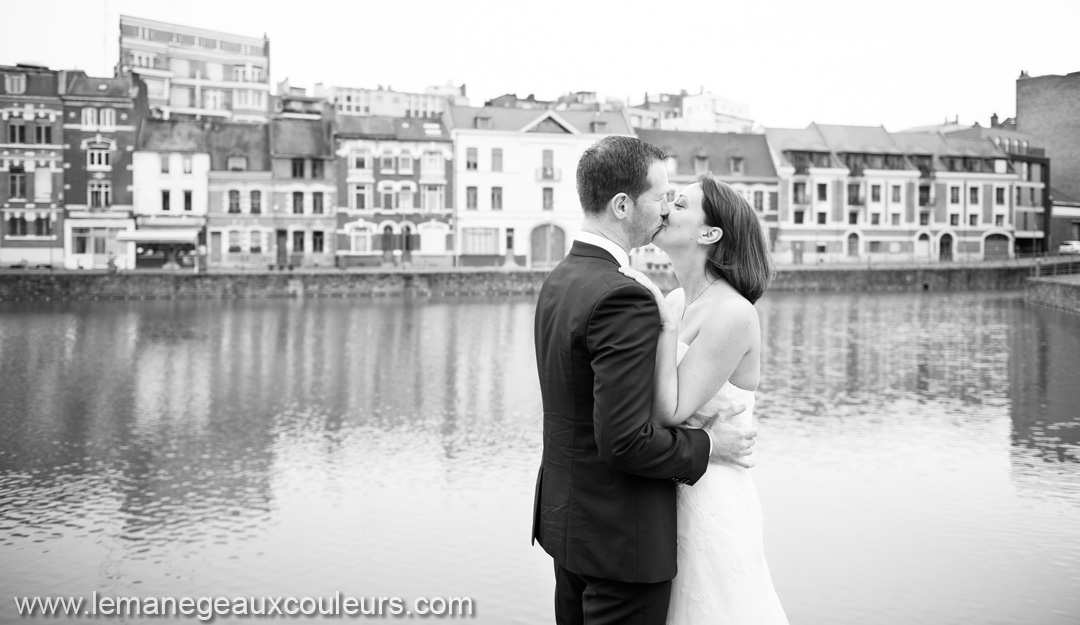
pixel 711 235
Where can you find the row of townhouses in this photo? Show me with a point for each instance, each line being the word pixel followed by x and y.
pixel 186 160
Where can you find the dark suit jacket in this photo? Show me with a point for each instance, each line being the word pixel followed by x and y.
pixel 605 496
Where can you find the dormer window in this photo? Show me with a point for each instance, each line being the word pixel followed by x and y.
pixel 737 165
pixel 237 163
pixel 483 123
pixel 14 83
pixel 701 164
pixel 598 127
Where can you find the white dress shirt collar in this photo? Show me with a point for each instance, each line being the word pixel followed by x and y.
pixel 605 244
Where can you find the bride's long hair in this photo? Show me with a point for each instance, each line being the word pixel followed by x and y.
pixel 741 256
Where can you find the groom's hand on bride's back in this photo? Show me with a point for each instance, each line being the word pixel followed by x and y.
pixel 730 443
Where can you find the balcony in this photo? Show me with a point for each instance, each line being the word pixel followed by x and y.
pixel 802 169
pixel 856 201
pixel 548 174
pixel 801 200
pixel 926 201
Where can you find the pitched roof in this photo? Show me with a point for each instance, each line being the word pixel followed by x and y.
pixel 514 119
pixel 234 139
pixel 173 135
pixel 79 84
pixel 983 148
pixel 718 147
pixel 858 139
pixel 1061 197
pixel 797 139
pixel 921 142
pixel 300 137
pixel 392 128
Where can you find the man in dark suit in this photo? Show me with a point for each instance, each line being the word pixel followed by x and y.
pixel 605 496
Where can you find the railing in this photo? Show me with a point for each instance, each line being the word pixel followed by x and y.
pixel 856 201
pixel 925 203
pixel 802 169
pixel 548 173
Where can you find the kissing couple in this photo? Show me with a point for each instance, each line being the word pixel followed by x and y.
pixel 644 497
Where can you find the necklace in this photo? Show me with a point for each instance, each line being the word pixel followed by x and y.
pixel 695 299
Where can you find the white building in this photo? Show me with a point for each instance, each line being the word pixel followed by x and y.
pixel 700 112
pixel 194 72
pixel 385 102
pixel 516 199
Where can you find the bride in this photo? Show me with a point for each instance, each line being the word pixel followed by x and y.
pixel 709 354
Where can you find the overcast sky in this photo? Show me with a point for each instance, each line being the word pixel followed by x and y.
pixel 899 64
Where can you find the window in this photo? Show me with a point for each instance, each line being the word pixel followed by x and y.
pixel 875 219
pixel 43 134
pixel 853 195
pixel 316 169
pixel 471 159
pixel 18 226
pixel 799 216
pixel 317 238
pixel 432 197
pixel 954 195
pixel 974 192
pixel 432 164
pixel 853 218
pixel 822 218
pixel 387 164
pixel 875 247
pixel 388 199
pixel 361 240
pixel 480 241
pixel 822 192
pixel 800 193
pixel 236 163
pixel 999 220
pixel 896 219
pixel 43 227
pixel 108 117
pixel 298 168
pixel 234 201
pixel 405 199
pixel 999 196
pixel 496 198
pixel 298 241
pixel 255 246
pixel 16 133
pixel 875 193
pixel 405 164
pixel 470 198
pixel 549 198
pixel 15 83
pixel 973 220
pixel 256 202
pixel 759 200
pixel 234 242
pixel 360 197
pixel 17 186
pixel 737 165
pixel 317 203
pixel 98 159
pixel 187 201
pixel 954 220
pixel 896 193
pixel 360 161
pixel 924 218
pixel 100 192
pixel 165 195
pixel 1031 196
pixel 89 116
pixel 164 163
pixel 496 159
pixel 701 164
pixel 298 202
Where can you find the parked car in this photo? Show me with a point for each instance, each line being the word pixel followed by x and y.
pixel 1069 247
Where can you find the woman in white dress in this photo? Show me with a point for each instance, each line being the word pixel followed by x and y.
pixel 709 353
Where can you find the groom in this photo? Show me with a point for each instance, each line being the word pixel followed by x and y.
pixel 605 495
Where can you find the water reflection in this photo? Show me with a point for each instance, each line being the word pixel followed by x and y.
pixel 922 446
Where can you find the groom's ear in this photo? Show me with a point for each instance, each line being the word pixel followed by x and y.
pixel 621 205
pixel 711 235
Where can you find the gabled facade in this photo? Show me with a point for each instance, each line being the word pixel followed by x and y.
pixel 101 124
pixel 515 199
pixel 304 205
pixel 741 160
pixel 172 164
pixel 240 220
pixel 31 167
pixel 395 180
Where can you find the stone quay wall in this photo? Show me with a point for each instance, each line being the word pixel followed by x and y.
pixel 73 286
pixel 1061 292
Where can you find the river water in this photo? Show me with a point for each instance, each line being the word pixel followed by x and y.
pixel 918 457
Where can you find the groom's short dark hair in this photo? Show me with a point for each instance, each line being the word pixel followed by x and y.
pixel 614 165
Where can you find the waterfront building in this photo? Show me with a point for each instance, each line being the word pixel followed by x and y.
pixel 1066 220
pixel 385 102
pixel 171 174
pixel 1048 109
pixel 304 203
pixel 516 200
pixel 101 124
pixel 31 167
pixel 741 160
pixel 196 73
pixel 395 177
pixel 240 222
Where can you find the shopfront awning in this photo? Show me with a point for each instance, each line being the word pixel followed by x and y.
pixel 160 235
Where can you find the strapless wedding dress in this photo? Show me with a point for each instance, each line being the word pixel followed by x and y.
pixel 723 578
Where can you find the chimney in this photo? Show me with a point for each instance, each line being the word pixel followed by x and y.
pixel 994 121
